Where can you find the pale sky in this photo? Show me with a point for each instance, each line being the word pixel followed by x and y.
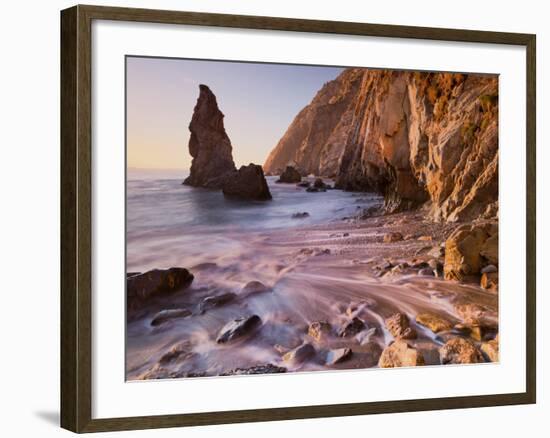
pixel 259 102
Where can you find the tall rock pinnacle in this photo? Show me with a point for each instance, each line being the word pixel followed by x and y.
pixel 209 144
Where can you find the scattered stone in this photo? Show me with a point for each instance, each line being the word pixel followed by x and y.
pixel 258 369
pixel 177 352
pixel 315 190
pixel 238 328
pixel 166 315
pixel 489 281
pixel 426 272
pixel 338 355
pixel 247 183
pixel 476 331
pixel 355 308
pixel 319 184
pixel 437 252
pixel 460 351
pixel 422 250
pixel 425 238
pixel 254 287
pixel 318 329
pixel 300 215
pixel 216 301
pixel 400 354
pixel 490 349
pixel 351 328
pixel 300 354
pixel 399 327
pixel 434 322
pixel 290 175
pixel 365 336
pixel 471 313
pixel 345 235
pixel 393 237
pixel 489 269
pixel 157 281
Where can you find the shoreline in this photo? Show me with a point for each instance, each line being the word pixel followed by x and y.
pixel 333 288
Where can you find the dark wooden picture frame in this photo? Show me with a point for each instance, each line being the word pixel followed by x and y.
pixel 76 217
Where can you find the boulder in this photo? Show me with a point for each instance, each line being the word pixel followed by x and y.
pixel 238 328
pixel 400 354
pixel 490 349
pixel 300 354
pixel 254 287
pixel 399 327
pixel 319 329
pixel 215 301
pixel 351 328
pixel 300 215
pixel 178 352
pixel 157 281
pixel 247 183
pixel 460 351
pixel 464 248
pixel 434 322
pixel 338 355
pixel 392 237
pixel 209 144
pixel 489 281
pixel 290 175
pixel 320 184
pixel 166 315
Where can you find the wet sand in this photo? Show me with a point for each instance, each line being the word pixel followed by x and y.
pixel 329 273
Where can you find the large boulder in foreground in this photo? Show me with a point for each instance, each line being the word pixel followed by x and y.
pixel 238 328
pixel 469 248
pixel 460 351
pixel 247 183
pixel 290 175
pixel 400 354
pixel 157 281
pixel 209 144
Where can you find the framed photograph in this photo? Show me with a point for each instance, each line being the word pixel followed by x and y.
pixel 270 218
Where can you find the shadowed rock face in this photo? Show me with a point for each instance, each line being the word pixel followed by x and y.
pixel 209 144
pixel 418 138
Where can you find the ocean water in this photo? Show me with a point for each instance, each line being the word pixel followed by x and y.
pixel 172 224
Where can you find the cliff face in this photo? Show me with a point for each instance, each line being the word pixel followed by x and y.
pixel 418 138
pixel 209 144
pixel 315 139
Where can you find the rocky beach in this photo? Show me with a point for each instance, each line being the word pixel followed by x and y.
pixel 368 238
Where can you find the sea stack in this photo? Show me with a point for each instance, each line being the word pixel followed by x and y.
pixel 209 144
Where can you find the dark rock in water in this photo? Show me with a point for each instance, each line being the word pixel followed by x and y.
pixel 426 271
pixel 315 190
pixel 304 184
pixel 290 175
pixel 238 328
pixel 254 287
pixel 166 315
pixel 300 354
pixel 157 281
pixel 215 301
pixel 247 183
pixel 320 184
pixel 399 327
pixel 338 355
pixel 209 144
pixel 300 215
pixel 351 328
pixel 258 369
